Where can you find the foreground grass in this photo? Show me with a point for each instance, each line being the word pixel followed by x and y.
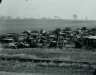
pixel 10 73
pixel 81 55
pixel 45 69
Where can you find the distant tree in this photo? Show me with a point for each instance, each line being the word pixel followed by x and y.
pixel 75 16
pixel 56 17
pixel 3 17
pixel 9 17
pixel 44 18
pixel 17 17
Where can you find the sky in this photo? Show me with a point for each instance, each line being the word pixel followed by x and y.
pixel 49 8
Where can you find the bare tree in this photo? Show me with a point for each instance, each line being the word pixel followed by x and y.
pixel 56 17
pixel 75 16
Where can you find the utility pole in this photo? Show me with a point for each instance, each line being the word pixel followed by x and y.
pixel 86 17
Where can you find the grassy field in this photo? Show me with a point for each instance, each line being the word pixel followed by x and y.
pixel 9 73
pixel 65 54
pixel 20 25
pixel 67 73
pixel 77 55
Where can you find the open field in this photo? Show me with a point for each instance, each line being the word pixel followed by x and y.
pixel 43 68
pixel 73 55
pixel 66 54
pixel 7 26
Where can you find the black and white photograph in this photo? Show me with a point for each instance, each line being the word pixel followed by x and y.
pixel 47 37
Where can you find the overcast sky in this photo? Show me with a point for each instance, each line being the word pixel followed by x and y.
pixel 49 8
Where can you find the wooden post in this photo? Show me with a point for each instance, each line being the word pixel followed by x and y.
pixel 87 44
pixel 57 40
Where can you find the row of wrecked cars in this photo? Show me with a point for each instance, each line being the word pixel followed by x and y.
pixel 51 39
